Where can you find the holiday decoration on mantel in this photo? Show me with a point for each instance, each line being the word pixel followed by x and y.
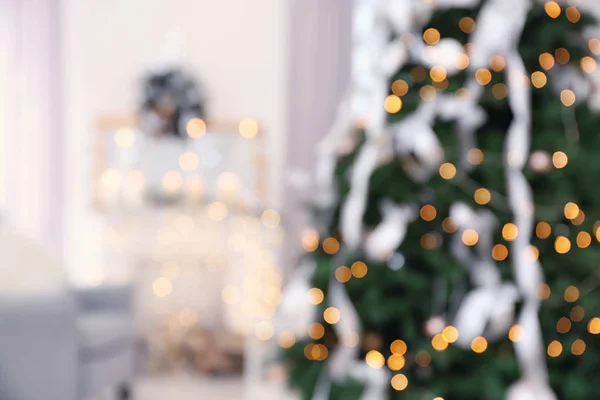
pixel 454 255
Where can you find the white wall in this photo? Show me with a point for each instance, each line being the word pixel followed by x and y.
pixel 238 48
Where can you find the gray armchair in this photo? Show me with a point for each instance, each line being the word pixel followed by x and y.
pixel 66 345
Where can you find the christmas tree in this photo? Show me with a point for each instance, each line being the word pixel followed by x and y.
pixel 454 254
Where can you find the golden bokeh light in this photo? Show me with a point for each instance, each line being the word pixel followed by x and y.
pixel 316 331
pixel 398 347
pixel 534 253
pixel 195 128
pixel 555 349
pixel 482 196
pixel 270 218
pixel 539 79
pixel 562 55
pixel 264 330
pixel 543 230
pixel 316 352
pixel 562 245
pixel 571 210
pixel 392 104
pixel 111 178
pixel 479 344
pixel 217 211
pixel 359 269
pixel 172 181
pixel 560 159
pixel 584 239
pixel 375 359
pixel 418 74
pixel 439 343
pixel 470 237
pixel 588 64
pixel 546 61
pixel 427 93
pixel 310 240
pixel 573 14
pixel 594 326
pixel 124 137
pixel 343 274
pixel 579 219
pixel 577 314
pixel 431 36
pixel 544 291
pixel 429 241
pixel 594 45
pixel 423 358
pixel 331 315
pixel 447 170
pixel 578 347
pixel 400 87
pixel 428 212
pixel 497 63
pixel 510 232
pixel 475 156
pixel 248 128
pixel 462 61
pixel 399 382
pixel 499 252
pixel 467 24
pixel 450 334
pixel 483 76
pixel 567 97
pixel 396 362
pixel 571 294
pixel 438 73
pixel 500 91
pixel 563 325
pixel 162 287
pixel 552 9
pixel 448 225
pixel 331 245
pixel 515 334
pixel 315 296
pixel 287 340
pixel 188 161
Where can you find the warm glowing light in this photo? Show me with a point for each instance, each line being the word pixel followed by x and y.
pixel 111 178
pixel 375 359
pixel 571 294
pixel 359 269
pixel 544 291
pixel 594 326
pixel 287 340
pixel 563 325
pixel 124 137
pixel 423 358
pixel 510 232
pixel 332 315
pixel 567 97
pixel 539 79
pixel 428 212
pixel 310 240
pixel 499 252
pixel 418 74
pixel 316 331
pixel 230 295
pixel 270 218
pixel 462 61
pixel 588 64
pixel 552 9
pixel 515 334
pixel 450 334
pixel 172 181
pixel 482 196
pixel 543 230
pixel 315 296
pixel 470 237
pixel 546 61
pixel 427 92
pixel 562 55
pixel 483 76
pixel 162 287
pixel 429 241
pixel 392 104
pixel 196 128
pixel 431 36
pixel 448 225
pixel 573 14
pixel 217 211
pixel 400 87
pixel 248 128
pixel 555 348
pixel 500 91
pixel 578 347
pixel 594 45
pixel 331 245
pixel 562 245
pixel 264 330
pixel 398 347
pixel 343 274
pixel 577 314
pixel 399 382
pixel 188 161
pixel 497 63
pixel 559 159
pixel 584 239
pixel 534 253
pixel 438 73
pixel 479 344
pixel 316 352
pixel 439 343
pixel 467 24
pixel 579 219
pixel 475 156
pixel 447 170
pixel 396 362
pixel 571 210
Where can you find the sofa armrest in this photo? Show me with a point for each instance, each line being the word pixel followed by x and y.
pixel 105 298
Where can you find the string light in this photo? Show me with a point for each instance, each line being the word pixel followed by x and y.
pixel 423 358
pixel 418 74
pixel 499 252
pixel 428 212
pixel 552 9
pixel 359 269
pixel 560 159
pixel 534 253
pixel 264 330
pixel 331 245
pixel 467 24
pixel 571 294
pixel 544 291
pixel 316 331
pixel 483 76
pixel 588 64
pixel 428 93
pixel 162 287
pixel 450 334
pixel 539 79
pixel 448 225
pixel 475 156
pixel 172 181
pixel 510 232
pixel 497 63
pixel 577 314
pixel 111 178
pixel 482 196
pixel 438 73
pixel 461 61
pixel 594 45
pixel 562 55
pixel 555 349
pixel 470 237
pixel 431 36
pixel 439 343
pixel 500 91
pixel 578 347
pixel 447 171
pixel 188 161
pixel 543 230
pixel 343 274
pixel 286 340
pixel 375 359
pixel 315 296
pixel 515 334
pixel 573 14
pixel 310 240
pixel 392 104
pixel 594 326
pixel 479 345
pixel 124 137
pixel 563 325
pixel 584 239
pixel 195 128
pixel 248 128
pixel 571 210
pixel 429 241
pixel 562 245
pixel 217 211
pixel 398 347
pixel 578 220
pixel 399 382
pixel 331 315
pixel 400 87
pixel 396 362
pixel 567 97
pixel 546 61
